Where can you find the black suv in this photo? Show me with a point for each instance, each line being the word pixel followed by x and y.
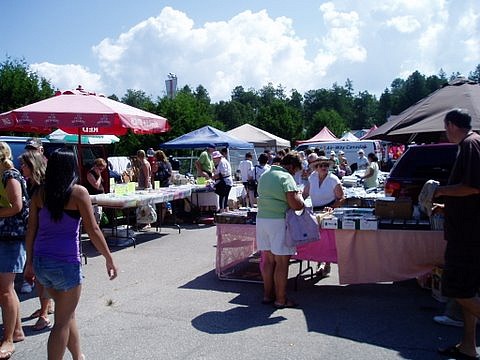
pixel 417 165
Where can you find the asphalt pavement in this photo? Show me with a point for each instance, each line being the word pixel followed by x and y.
pixel 167 303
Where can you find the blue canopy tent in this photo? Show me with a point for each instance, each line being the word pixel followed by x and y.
pixel 201 138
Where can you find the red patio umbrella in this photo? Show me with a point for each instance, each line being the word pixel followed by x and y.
pixel 83 113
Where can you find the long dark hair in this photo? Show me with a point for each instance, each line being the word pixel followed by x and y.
pixel 60 177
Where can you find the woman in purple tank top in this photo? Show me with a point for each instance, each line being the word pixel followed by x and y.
pixel 52 243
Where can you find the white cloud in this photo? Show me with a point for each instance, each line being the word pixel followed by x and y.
pixel 252 49
pixel 67 77
pixel 342 40
pixel 404 24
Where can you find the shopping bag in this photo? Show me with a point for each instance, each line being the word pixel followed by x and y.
pixel 301 228
pixel 146 214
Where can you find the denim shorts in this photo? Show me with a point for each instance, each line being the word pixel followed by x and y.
pixel 56 274
pixel 12 256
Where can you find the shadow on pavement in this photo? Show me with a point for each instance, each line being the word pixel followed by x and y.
pixel 396 316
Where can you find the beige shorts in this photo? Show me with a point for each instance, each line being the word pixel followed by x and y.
pixel 271 236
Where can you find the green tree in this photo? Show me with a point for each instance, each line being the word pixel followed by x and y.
pixel 475 74
pixel 19 86
pixel 433 83
pixel 138 99
pixel 280 119
pixel 384 107
pixel 328 118
pixel 186 112
pixel 365 110
pixel 233 114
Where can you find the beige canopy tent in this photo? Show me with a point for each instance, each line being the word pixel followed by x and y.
pixel 258 137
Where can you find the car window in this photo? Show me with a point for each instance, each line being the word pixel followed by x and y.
pixel 433 162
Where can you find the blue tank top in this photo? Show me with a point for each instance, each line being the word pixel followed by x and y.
pixel 58 240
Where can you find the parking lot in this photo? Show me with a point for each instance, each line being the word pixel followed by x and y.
pixel 168 304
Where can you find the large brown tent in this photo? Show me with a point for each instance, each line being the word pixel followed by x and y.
pixel 423 121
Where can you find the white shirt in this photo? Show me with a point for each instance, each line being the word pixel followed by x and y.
pixel 325 193
pixel 258 171
pixel 225 170
pixel 362 163
pixel 245 167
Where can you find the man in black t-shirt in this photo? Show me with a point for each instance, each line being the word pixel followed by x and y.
pixel 461 275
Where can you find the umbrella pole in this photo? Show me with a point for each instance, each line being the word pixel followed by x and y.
pixel 79 155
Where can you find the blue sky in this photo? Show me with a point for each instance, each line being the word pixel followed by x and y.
pixel 110 46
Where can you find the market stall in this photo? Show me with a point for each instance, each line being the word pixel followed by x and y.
pixel 363 256
pixel 126 198
pixel 207 200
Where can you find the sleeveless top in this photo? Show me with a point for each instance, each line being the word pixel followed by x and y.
pixel 91 190
pixel 58 240
pixel 323 194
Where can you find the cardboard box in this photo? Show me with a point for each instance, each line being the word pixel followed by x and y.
pixel 351 222
pixel 368 224
pixel 234 217
pixel 329 223
pixel 393 209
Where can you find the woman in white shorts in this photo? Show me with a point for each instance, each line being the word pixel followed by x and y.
pixel 277 192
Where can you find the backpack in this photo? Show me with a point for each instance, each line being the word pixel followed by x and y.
pixel 253 183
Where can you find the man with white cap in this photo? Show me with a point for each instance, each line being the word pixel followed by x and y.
pixel 362 161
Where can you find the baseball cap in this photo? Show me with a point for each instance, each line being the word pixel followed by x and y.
pixel 33 144
pixel 332 152
pixel 360 151
pixel 341 152
pixel 216 154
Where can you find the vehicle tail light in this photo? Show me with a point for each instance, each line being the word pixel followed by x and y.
pixel 392 188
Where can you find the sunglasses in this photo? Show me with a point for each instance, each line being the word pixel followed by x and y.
pixel 322 165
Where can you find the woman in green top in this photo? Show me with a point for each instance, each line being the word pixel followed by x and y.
pixel 277 192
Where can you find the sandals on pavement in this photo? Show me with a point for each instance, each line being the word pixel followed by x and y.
pixel 4 354
pixel 37 313
pixel 454 352
pixel 42 323
pixel 289 304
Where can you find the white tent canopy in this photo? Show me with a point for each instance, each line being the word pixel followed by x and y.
pixel 348 136
pixel 258 137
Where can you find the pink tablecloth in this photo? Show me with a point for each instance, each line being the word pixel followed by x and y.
pixel 322 250
pixel 387 255
pixel 362 256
